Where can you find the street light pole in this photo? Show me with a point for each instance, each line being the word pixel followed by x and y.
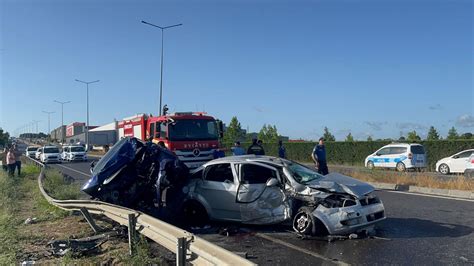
pixel 62 119
pixel 49 123
pixel 87 122
pixel 162 45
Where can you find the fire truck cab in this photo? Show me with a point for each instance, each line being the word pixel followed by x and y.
pixel 192 136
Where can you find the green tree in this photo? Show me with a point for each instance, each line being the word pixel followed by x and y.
pixel 234 131
pixel 327 135
pixel 452 134
pixel 432 134
pixel 369 138
pixel 268 134
pixel 349 137
pixel 466 136
pixel 412 136
pixel 4 137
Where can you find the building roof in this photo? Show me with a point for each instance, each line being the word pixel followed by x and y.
pixel 110 126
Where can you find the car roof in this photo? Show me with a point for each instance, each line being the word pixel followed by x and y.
pixel 402 144
pixel 250 158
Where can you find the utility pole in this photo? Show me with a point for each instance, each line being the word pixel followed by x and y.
pixel 49 123
pixel 87 122
pixel 162 45
pixel 62 119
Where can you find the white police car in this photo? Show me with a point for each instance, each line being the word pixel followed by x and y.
pixel 401 156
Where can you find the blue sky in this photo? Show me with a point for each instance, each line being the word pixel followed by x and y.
pixel 366 67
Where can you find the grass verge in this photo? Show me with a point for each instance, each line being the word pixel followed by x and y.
pixel 408 178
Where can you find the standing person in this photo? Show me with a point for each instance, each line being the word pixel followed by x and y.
pixel 255 148
pixel 17 158
pixel 4 159
pixel 237 149
pixel 11 162
pixel 281 150
pixel 319 157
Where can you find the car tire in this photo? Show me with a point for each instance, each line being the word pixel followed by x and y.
pixel 444 169
pixel 306 224
pixel 195 214
pixel 401 167
pixel 469 173
pixel 370 165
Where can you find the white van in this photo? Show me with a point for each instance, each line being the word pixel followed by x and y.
pixel 74 153
pixel 401 156
pixel 50 154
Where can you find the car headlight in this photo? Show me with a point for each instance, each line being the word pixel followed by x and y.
pixel 338 201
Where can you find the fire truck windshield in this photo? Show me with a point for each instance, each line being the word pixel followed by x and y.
pixel 193 129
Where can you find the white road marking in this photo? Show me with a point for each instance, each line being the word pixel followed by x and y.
pixel 74 170
pixel 427 195
pixel 300 249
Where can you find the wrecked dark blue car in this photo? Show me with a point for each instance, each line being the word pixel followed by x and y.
pixel 136 174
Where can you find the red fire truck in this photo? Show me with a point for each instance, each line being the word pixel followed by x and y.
pixel 193 137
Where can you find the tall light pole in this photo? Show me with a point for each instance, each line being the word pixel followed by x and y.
pixel 49 123
pixel 162 42
pixel 87 122
pixel 62 119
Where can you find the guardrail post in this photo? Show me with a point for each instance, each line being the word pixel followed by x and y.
pixel 181 251
pixel 132 233
pixel 90 220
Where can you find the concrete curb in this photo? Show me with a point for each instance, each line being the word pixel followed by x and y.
pixel 453 193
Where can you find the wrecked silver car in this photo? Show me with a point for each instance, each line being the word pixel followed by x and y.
pixel 267 190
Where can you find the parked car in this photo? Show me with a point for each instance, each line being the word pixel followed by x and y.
pixel 267 190
pixel 456 163
pixel 74 153
pixel 31 151
pixel 38 153
pixel 50 154
pixel 469 172
pixel 401 156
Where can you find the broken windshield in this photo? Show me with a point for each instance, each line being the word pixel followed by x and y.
pixel 193 129
pixel 303 174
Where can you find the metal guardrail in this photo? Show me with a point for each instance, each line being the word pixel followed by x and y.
pixel 187 246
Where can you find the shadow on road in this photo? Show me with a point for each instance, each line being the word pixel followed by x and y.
pixel 413 227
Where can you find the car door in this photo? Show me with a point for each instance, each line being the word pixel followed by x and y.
pixel 380 156
pixel 260 194
pixel 218 188
pixel 459 161
pixel 395 155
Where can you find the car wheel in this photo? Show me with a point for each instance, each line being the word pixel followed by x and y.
pixel 195 214
pixel 444 169
pixel 469 173
pixel 305 223
pixel 370 165
pixel 401 167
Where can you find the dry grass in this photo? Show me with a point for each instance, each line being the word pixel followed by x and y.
pixel 415 179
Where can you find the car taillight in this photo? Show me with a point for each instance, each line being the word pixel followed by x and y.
pixel 472 161
pixel 410 156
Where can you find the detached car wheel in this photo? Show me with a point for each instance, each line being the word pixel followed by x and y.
pixel 303 222
pixel 444 169
pixel 401 167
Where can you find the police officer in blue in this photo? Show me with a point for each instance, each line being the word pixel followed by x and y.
pixel 281 150
pixel 319 157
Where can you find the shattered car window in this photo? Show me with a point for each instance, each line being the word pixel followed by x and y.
pixel 255 174
pixel 303 174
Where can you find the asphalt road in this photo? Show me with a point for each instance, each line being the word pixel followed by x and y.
pixel 419 229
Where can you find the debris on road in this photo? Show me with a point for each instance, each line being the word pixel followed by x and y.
pixel 30 220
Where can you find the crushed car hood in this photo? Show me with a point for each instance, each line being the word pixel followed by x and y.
pixel 336 182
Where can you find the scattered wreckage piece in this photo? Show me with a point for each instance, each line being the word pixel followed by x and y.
pixel 81 246
pixel 267 190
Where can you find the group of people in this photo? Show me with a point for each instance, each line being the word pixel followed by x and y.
pixel 11 160
pixel 318 155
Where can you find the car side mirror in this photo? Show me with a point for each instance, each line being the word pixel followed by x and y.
pixel 455 157
pixel 92 165
pixel 378 154
pixel 272 182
